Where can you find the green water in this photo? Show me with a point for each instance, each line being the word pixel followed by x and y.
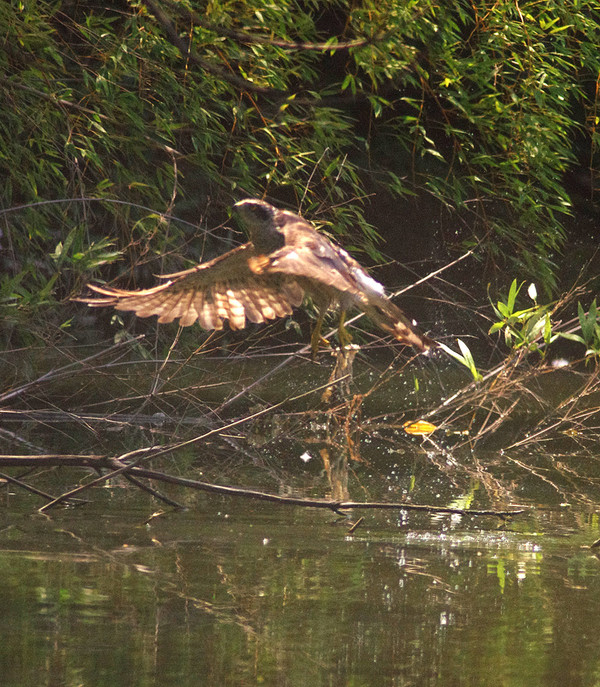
pixel 124 590
pixel 230 594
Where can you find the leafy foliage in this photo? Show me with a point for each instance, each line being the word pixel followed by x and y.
pixel 177 109
pixel 535 328
pixel 589 323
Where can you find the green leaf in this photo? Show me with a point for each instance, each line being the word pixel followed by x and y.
pixel 464 358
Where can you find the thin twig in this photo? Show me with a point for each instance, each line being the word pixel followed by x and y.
pixel 146 453
pixel 63 371
pixel 152 491
pixel 52 98
pixel 27 487
pixel 43 460
pixel 245 37
pixel 335 506
pixel 205 65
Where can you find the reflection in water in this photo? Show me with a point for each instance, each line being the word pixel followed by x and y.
pixel 230 594
pixel 337 473
pixel 342 445
pixel 240 592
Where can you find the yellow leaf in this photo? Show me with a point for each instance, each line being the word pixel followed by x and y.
pixel 419 428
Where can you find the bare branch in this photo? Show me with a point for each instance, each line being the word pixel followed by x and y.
pixel 132 471
pixel 336 506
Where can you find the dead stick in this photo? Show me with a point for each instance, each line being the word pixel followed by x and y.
pixel 52 375
pixel 45 459
pixel 27 487
pixel 152 491
pixel 356 524
pixel 312 503
pixel 151 450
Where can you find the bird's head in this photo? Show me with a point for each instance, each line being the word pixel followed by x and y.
pixel 261 221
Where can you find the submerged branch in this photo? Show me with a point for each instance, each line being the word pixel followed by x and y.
pixel 336 506
pixel 132 471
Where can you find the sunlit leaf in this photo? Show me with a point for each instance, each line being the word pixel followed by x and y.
pixel 419 428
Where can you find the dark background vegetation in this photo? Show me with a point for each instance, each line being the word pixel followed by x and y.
pixel 414 132
pixel 408 130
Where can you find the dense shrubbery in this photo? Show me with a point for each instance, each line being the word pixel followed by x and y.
pixel 179 110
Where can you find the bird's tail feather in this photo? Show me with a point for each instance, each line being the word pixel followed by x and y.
pixel 392 320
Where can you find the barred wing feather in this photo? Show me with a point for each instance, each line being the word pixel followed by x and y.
pixel 221 289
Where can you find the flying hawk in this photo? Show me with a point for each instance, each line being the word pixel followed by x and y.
pixel 266 278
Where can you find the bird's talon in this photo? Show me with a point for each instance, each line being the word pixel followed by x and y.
pixel 317 342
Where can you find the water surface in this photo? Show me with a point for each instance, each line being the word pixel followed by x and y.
pixel 125 590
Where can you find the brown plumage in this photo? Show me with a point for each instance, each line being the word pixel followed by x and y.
pixel 266 278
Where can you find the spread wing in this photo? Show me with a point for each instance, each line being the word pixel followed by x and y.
pixel 333 270
pixel 309 255
pixel 329 269
pixel 221 289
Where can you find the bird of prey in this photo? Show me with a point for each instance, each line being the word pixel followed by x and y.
pixel 285 260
